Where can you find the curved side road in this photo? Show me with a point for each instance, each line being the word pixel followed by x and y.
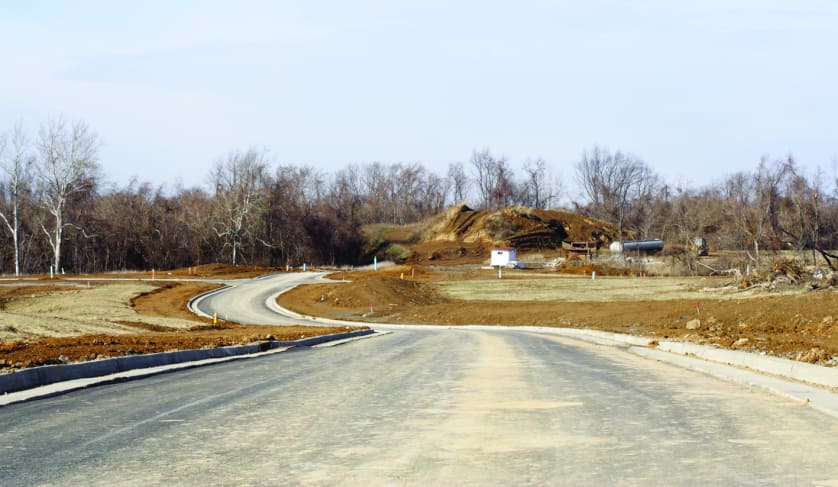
pixel 249 301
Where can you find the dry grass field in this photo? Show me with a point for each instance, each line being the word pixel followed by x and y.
pixel 584 289
pixel 103 308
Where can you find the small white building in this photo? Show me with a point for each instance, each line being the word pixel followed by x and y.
pixel 503 256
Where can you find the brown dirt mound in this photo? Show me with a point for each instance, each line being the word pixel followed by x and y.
pixel 382 290
pixel 520 227
pixel 462 235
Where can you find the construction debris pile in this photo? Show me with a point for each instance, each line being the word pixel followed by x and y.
pixel 784 273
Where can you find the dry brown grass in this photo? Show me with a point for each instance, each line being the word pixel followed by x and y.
pixel 579 289
pixel 100 309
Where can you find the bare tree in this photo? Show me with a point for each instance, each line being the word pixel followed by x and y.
pixel 458 181
pixel 238 183
pixel 294 195
pixel 494 180
pixel 346 195
pixel 537 192
pixel 432 199
pixel 612 182
pixel 67 161
pixel 801 219
pixel 485 175
pixel 16 164
pixel 753 203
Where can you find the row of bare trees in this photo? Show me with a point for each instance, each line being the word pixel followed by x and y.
pixel 497 186
pixel 778 206
pixel 59 166
pixel 57 213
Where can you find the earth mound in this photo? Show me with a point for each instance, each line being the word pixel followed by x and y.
pixel 519 227
pixel 463 235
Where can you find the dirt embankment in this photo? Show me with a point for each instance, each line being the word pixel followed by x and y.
pixel 802 326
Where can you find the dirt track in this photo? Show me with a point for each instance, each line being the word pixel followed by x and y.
pixel 803 326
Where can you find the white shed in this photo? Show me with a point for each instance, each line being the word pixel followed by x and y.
pixel 503 256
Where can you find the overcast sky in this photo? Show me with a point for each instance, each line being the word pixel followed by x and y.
pixel 698 90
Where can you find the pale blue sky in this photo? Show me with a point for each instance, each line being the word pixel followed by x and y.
pixel 698 90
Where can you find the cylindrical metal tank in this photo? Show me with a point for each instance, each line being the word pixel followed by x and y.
pixel 643 246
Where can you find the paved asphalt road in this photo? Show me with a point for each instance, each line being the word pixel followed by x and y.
pixel 246 300
pixel 420 407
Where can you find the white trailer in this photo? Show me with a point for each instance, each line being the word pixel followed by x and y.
pixel 503 256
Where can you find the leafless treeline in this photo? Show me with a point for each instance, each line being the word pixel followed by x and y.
pixel 778 206
pixel 56 211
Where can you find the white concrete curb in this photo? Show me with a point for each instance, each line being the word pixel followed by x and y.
pixel 192 304
pixel 37 377
pixel 814 374
pixel 818 398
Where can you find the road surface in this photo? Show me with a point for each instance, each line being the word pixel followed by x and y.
pixel 250 300
pixel 422 407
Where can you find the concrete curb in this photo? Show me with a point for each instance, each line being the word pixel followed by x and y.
pixel 50 374
pixel 192 304
pixel 818 398
pixel 814 374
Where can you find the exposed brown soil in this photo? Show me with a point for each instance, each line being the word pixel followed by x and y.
pixel 149 339
pixel 520 227
pixel 462 235
pixel 168 300
pixel 802 327
pixel 587 269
